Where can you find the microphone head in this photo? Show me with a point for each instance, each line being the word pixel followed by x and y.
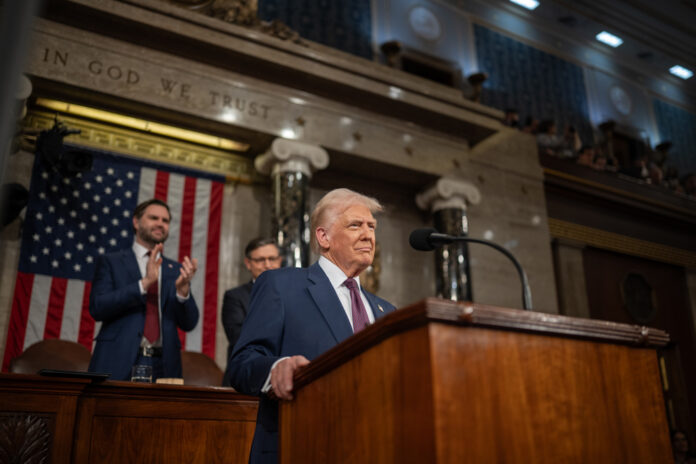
pixel 420 239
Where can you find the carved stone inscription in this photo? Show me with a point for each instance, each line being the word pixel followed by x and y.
pixel 110 71
pixel 78 58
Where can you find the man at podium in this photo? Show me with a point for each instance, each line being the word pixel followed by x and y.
pixel 297 314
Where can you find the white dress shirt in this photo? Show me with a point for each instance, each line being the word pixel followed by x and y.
pixel 337 279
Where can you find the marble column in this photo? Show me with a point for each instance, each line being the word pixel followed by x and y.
pixel 570 278
pixel 290 165
pixel 447 200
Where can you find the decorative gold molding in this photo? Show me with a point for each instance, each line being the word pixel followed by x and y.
pixel 621 243
pixel 235 168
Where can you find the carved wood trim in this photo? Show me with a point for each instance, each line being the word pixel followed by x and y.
pixel 115 139
pixel 25 438
pixel 621 243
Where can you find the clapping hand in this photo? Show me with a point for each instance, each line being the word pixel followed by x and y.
pixel 152 269
pixel 186 272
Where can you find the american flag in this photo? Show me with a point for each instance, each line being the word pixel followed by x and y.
pixel 70 221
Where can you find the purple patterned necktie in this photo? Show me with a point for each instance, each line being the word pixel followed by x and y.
pixel 360 320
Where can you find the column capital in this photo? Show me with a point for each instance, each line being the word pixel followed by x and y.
pixel 291 156
pixel 448 193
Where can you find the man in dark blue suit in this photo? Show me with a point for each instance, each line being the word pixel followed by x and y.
pixel 141 298
pixel 297 314
pixel 260 255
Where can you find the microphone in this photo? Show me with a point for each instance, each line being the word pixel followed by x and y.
pixel 430 239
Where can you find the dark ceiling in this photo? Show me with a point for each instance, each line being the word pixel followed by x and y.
pixel 657 34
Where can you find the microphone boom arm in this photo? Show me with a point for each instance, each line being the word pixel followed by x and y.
pixel 526 291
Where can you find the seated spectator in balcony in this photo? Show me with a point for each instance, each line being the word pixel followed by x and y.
pixel 586 156
pixel 655 174
pixel 512 118
pixel 689 184
pixel 571 143
pixel 612 162
pixel 548 141
pixel 531 125
pixel 599 162
pixel 660 154
pixel 671 180
pixel 638 168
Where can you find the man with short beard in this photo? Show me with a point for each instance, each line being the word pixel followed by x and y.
pixel 141 297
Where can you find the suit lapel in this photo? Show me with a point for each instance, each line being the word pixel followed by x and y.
pixel 130 264
pixel 327 301
pixel 170 272
pixel 378 310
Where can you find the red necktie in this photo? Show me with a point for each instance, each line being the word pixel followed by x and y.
pixel 152 329
pixel 360 320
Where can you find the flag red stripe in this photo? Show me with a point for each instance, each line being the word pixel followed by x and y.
pixel 56 305
pixel 211 271
pixel 187 217
pixel 162 185
pixel 188 205
pixel 18 318
pixel 86 333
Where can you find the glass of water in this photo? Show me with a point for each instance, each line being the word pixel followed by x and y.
pixel 141 373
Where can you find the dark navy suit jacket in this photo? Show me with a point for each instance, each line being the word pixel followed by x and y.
pixel 116 300
pixel 235 306
pixel 292 312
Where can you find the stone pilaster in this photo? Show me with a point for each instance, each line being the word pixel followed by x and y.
pixel 290 165
pixel 447 200
pixel 570 278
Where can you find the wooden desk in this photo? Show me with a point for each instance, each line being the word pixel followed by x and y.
pixel 73 420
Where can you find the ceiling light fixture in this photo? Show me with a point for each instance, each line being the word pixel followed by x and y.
pixel 681 71
pixel 609 39
pixel 528 4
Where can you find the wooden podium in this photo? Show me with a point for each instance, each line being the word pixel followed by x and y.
pixel 441 382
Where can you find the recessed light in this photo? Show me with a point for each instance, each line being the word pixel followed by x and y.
pixel 681 71
pixel 528 4
pixel 609 39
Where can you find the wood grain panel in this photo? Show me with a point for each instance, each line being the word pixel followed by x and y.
pixel 389 421
pixel 123 422
pixel 519 397
pixel 116 440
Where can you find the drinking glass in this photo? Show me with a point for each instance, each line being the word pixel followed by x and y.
pixel 141 373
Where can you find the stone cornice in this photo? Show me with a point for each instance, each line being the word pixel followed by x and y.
pixel 320 70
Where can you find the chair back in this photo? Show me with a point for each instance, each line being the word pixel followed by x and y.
pixel 52 354
pixel 200 369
